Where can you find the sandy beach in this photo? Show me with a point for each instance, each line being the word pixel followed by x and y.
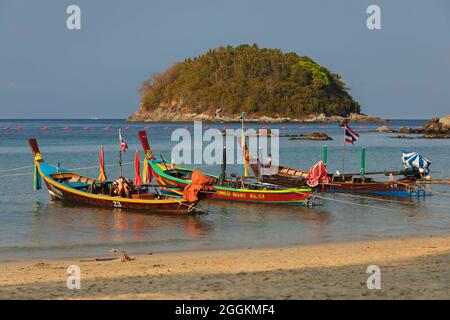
pixel 412 268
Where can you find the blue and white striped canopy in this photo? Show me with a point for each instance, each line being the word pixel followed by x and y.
pixel 415 160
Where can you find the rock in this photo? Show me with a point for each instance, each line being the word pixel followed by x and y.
pixel 405 130
pixel 384 129
pixel 316 136
pixel 445 121
pixel 402 137
pixel 435 136
pixel 432 126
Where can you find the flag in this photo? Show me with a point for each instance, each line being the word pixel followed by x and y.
pixel 102 175
pixel 123 143
pixel 350 135
pixel 137 170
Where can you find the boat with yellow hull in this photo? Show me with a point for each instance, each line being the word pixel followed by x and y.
pixel 69 186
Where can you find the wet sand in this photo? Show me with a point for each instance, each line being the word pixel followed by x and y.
pixel 412 268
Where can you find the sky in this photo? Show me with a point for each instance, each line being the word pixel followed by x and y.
pixel 49 71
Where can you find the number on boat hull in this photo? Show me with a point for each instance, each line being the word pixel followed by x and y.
pixel 117 204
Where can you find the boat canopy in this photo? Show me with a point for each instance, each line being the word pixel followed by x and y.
pixel 415 160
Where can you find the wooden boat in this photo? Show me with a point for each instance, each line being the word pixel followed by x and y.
pixel 225 188
pixel 351 183
pixel 69 186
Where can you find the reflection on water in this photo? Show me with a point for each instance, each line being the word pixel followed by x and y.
pixel 32 225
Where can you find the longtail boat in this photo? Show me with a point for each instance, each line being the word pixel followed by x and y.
pixel 224 188
pixel 69 186
pixel 351 183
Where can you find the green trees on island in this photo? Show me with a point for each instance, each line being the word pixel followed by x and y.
pixel 248 78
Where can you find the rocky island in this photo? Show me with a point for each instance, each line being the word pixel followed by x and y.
pixel 435 128
pixel 267 84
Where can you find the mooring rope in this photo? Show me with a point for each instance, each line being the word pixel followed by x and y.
pixel 363 205
pixel 82 168
pixel 393 201
pixel 15 169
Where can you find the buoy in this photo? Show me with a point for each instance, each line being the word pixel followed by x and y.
pixel 87 128
pixel 146 127
pixel 245 127
pixel 166 127
pixel 6 128
pixel 226 127
pixel 66 128
pixel 127 128
pixel 324 127
pixel 362 127
pixel 44 128
pixel 284 127
pixel 107 129
pixel 304 127
pixel 20 129
pixel 265 127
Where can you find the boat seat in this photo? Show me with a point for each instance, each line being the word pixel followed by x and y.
pixel 84 179
pixel 74 179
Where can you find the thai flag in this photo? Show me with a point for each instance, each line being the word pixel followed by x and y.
pixel 123 143
pixel 350 135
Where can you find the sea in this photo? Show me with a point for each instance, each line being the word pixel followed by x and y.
pixel 32 226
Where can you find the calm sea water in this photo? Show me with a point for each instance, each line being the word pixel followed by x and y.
pixel 33 226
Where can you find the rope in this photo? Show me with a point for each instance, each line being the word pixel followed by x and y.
pixel 443 193
pixel 393 201
pixel 83 168
pixel 361 205
pixel 15 169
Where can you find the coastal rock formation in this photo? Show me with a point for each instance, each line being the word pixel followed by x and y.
pixel 384 129
pixel 435 128
pixel 316 136
pixel 267 84
pixel 445 122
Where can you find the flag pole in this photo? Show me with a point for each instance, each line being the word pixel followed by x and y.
pixel 343 155
pixel 120 162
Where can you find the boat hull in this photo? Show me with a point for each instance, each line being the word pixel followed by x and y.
pixel 66 193
pixel 290 196
pixel 376 188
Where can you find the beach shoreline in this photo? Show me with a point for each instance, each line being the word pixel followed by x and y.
pixel 411 268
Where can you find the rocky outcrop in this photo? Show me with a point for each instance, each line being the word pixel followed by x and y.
pixel 445 122
pixel 175 113
pixel 384 129
pixel 435 128
pixel 316 136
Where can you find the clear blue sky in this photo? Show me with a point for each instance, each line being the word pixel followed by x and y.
pixel 48 71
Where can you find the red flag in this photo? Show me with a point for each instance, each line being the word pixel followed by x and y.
pixel 102 176
pixel 137 170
